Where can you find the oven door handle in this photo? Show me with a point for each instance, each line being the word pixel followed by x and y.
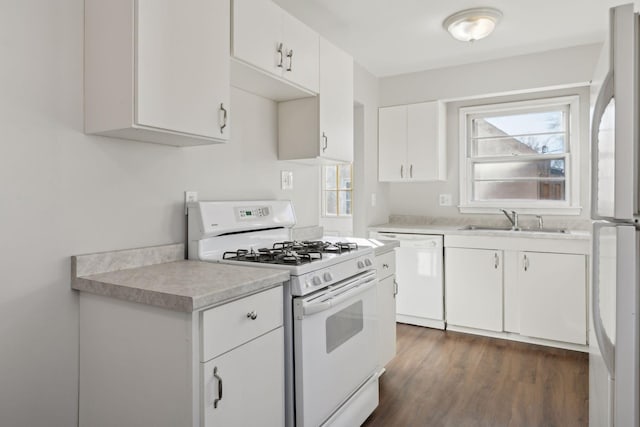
pixel 320 306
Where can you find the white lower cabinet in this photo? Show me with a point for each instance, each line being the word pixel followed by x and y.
pixel 142 365
pixel 385 265
pixel 474 288
pixel 244 387
pixel 527 295
pixel 552 296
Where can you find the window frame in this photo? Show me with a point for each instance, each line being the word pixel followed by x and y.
pixel 337 190
pixel 569 206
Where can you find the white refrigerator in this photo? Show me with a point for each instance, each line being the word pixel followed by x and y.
pixel 614 389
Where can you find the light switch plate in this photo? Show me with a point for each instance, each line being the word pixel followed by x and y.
pixel 286 180
pixel 445 200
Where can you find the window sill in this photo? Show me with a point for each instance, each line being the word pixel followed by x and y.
pixel 568 211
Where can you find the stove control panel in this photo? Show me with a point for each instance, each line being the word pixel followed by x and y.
pixel 307 283
pixel 249 213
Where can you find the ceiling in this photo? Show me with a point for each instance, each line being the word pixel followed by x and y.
pixel 390 37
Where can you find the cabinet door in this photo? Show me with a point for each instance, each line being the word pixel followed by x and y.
pixel 257 34
pixel 387 320
pixel 426 145
pixel 553 296
pixel 250 380
pixel 392 143
pixel 474 288
pixel 182 73
pixel 301 44
pixel 336 103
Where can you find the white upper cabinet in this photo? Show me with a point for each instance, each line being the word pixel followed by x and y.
pixel 301 53
pixel 336 103
pixel 257 34
pixel 277 55
pixel 412 143
pixel 320 129
pixel 163 76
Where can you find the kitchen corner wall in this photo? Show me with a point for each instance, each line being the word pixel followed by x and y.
pixel 64 193
pixel 482 83
pixel 366 185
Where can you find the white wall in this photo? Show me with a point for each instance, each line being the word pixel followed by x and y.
pixel 366 87
pixel 480 84
pixel 64 193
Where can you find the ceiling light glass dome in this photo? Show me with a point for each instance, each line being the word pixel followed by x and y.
pixel 472 24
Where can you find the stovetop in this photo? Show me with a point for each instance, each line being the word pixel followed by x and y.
pixel 292 252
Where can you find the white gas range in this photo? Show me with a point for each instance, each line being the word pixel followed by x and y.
pixel 330 306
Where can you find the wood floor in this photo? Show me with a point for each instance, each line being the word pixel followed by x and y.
pixel 456 380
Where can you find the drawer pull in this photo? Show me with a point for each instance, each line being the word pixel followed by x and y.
pixel 385 265
pixel 217 377
pixel 252 315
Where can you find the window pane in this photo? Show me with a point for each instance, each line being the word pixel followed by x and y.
pixel 519 146
pixel 520 190
pixel 519 124
pixel 330 203
pixel 344 173
pixel 553 168
pixel 344 198
pixel 330 177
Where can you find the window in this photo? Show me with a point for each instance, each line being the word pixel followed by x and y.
pixel 337 190
pixel 520 155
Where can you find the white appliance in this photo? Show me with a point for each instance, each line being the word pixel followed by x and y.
pixel 614 389
pixel 419 265
pixel 330 306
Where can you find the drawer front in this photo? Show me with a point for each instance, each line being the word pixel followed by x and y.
pixel 230 325
pixel 386 264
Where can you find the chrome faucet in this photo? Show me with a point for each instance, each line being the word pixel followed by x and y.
pixel 513 218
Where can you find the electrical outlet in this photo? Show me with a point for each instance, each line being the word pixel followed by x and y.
pixel 286 180
pixel 445 200
pixel 189 196
pixel 373 200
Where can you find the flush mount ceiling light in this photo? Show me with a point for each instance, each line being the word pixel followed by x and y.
pixel 472 24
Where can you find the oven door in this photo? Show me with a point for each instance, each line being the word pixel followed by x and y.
pixel 335 342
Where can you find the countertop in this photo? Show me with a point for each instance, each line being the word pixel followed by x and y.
pixel 380 246
pixel 457 230
pixel 174 284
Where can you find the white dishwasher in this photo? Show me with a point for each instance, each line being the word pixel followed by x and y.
pixel 419 266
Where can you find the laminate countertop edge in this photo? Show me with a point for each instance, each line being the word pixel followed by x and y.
pixel 179 285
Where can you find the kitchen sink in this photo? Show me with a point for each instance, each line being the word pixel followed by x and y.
pixel 528 230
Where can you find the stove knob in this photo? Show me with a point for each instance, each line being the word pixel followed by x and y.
pixel 368 262
pixel 360 264
pixel 316 281
pixel 328 277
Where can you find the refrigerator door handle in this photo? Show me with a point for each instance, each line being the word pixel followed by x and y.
pixel 604 342
pixel 604 97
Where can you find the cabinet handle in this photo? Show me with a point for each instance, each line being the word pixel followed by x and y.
pixel 385 265
pixel 217 377
pixel 395 288
pixel 496 260
pixel 252 315
pixel 410 171
pixel 279 50
pixel 401 171
pixel 325 144
pixel 290 56
pixel 525 263
pixel 224 118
